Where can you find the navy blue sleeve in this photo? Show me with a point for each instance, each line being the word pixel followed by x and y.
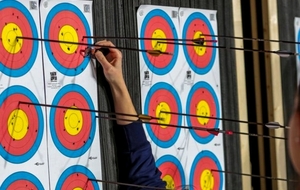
pixel 135 159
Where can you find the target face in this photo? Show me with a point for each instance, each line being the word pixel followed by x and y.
pixel 72 130
pixel 163 97
pixel 76 178
pixel 17 56
pixel 65 22
pixel 200 59
pixel 21 125
pixel 172 171
pixel 22 180
pixel 298 45
pixel 158 24
pixel 202 101
pixel 201 176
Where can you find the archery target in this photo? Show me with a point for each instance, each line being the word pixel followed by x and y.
pixel 158 24
pixel 22 180
pixel 201 176
pixel 77 177
pixel 65 22
pixel 22 125
pixel 200 59
pixel 297 37
pixel 172 171
pixel 163 97
pixel 202 101
pixel 72 130
pixel 17 56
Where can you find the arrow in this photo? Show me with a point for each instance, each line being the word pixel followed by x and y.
pixel 251 175
pixel 281 53
pixel 139 116
pixel 271 125
pixel 150 52
pixel 251 39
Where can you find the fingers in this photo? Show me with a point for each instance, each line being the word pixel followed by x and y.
pixel 113 51
pixel 102 59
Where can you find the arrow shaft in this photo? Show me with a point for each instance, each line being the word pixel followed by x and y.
pixel 127 184
pixel 252 175
pixel 137 38
pixel 87 44
pixel 251 39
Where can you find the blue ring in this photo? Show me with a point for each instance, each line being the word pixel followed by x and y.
pixel 21 176
pixel 23 70
pixel 23 158
pixel 202 154
pixel 65 151
pixel 153 89
pixel 51 15
pixel 205 85
pixel 169 67
pixel 298 45
pixel 76 169
pixel 200 71
pixel 174 160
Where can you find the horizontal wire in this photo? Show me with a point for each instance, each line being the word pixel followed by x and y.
pixel 95 45
pixel 253 175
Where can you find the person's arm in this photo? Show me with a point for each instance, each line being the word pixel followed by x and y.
pixel 294 134
pixel 136 162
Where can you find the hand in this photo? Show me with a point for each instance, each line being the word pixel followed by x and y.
pixel 294 134
pixel 111 63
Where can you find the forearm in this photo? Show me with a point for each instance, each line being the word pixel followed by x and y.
pixel 122 102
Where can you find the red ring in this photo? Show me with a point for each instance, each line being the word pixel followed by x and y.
pixel 205 95
pixel 169 168
pixel 162 95
pixel 78 180
pixel 204 60
pixel 61 19
pixel 158 22
pixel 206 163
pixel 22 184
pixel 18 147
pixel 69 141
pixel 17 60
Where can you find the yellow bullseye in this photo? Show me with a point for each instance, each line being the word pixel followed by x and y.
pixel 77 188
pixel 207 180
pixel 17 124
pixel 165 117
pixel 69 34
pixel 73 121
pixel 198 49
pixel 203 110
pixel 158 33
pixel 9 41
pixel 170 182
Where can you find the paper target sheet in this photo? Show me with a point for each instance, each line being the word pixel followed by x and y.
pixel 178 87
pixel 49 139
